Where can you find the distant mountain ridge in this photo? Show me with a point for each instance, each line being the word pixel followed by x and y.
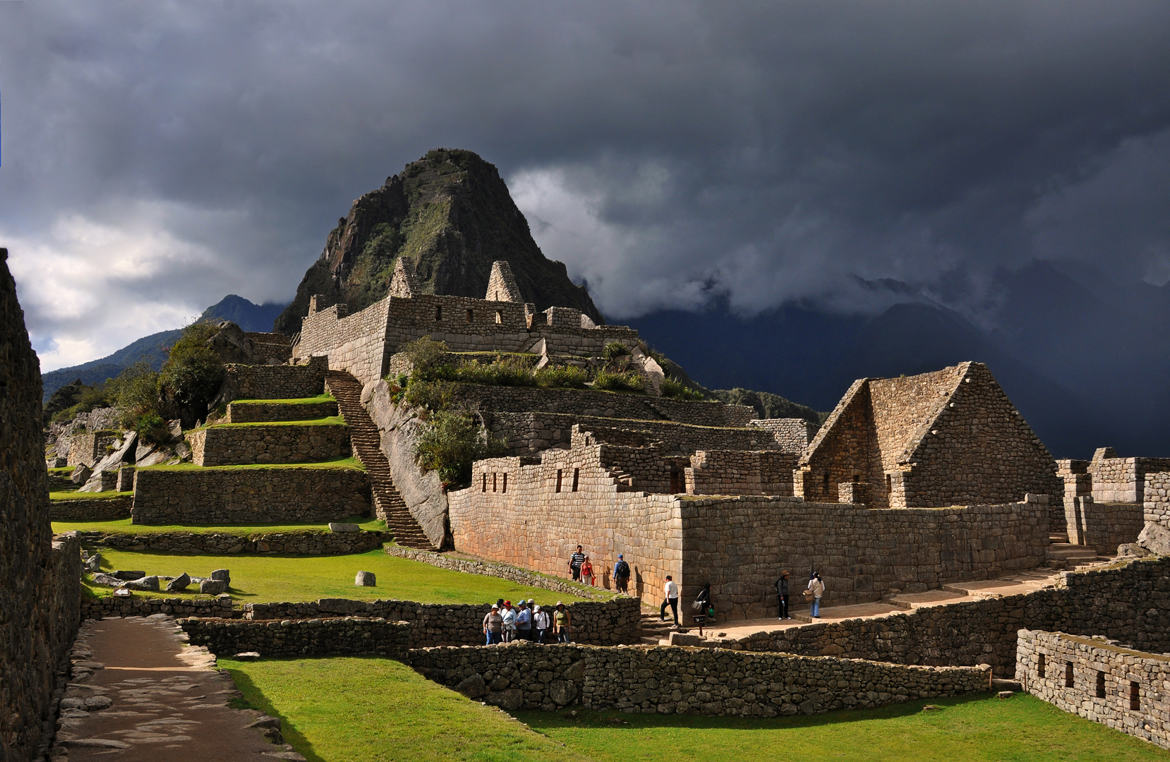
pixel 452 215
pixel 153 349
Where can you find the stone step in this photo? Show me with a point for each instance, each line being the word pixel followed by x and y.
pixel 909 601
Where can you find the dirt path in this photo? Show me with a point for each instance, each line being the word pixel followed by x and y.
pixel 138 692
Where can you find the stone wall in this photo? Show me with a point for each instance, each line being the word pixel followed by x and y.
pixel 39 591
pixel 225 544
pixel 1130 603
pixel 231 444
pixel 684 681
pixel 270 348
pixel 791 434
pixel 98 608
pixel 1102 526
pixel 739 472
pixel 344 636
pixel 531 432
pixel 1122 480
pixel 275 382
pixel 740 544
pixel 355 343
pixel 249 496
pixel 610 622
pixel 1156 534
pixel 91 509
pixel 89 447
pixel 1100 680
pixel 600 404
pixel 270 412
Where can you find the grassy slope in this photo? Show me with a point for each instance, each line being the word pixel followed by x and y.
pixel 263 579
pixel 352 709
pixel 379 709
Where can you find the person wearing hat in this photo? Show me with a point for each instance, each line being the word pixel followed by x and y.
pixel 540 623
pixel 621 575
pixel 508 614
pixel 561 623
pixel 493 625
pixel 523 621
pixel 782 595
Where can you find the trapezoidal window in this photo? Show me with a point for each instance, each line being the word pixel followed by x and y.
pixel 484 481
pixel 576 477
pixel 559 480
pixel 1135 696
pixel 470 316
pixel 1040 666
pixel 493 482
pixel 1068 674
pixel 1100 684
pixel 504 486
pixel 889 489
pixel 438 312
pixel 826 482
pixel 499 317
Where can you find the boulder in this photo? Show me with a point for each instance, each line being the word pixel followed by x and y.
pixel 145 583
pixel 128 575
pixel 472 686
pixel 179 583
pixel 562 692
pixel 510 700
pixel 364 579
pixel 212 586
pixel 1155 538
pixel 106 580
pixel 222 575
pixel 251 656
pixel 93 563
pixel 80 474
pixel 341 526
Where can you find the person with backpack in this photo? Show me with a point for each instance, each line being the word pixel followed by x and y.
pixel 621 575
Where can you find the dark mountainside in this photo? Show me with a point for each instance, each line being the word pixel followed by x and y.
pixel 1084 359
pixel 449 212
pixel 153 349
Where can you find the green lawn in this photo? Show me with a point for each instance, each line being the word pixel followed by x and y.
pixel 378 709
pixel 356 709
pixel 126 527
pixel 333 420
pixel 340 463
pixel 75 495
pixel 263 579
pixel 288 401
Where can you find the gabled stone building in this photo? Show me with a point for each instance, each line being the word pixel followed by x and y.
pixel 948 437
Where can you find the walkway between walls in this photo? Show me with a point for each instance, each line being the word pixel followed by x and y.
pixel 138 692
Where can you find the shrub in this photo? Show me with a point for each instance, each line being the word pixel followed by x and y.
pixel 136 394
pixel 450 443
pixel 561 376
pixel 432 395
pixel 427 357
pixel 619 382
pixel 614 350
pixel 193 373
pixel 679 390
pixel 503 371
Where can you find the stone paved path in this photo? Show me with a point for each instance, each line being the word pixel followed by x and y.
pixel 138 692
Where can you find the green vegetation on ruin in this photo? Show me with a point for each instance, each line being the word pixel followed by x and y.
pixel 62 470
pixel 125 526
pixel 343 463
pixel 288 401
pixel 266 579
pixel 377 709
pixel 333 420
pixel 75 495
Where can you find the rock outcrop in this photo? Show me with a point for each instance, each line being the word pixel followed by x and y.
pixel 451 213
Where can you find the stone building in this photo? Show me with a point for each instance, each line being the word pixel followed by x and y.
pixel 948 437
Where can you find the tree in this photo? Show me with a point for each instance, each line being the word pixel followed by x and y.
pixel 192 374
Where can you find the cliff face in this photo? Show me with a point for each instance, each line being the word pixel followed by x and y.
pixel 452 215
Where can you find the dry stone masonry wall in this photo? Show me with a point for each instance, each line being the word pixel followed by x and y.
pixel 97 608
pixel 1156 534
pixel 739 472
pixel 276 443
pixel 91 509
pixel 344 636
pixel 275 382
pixel 1122 480
pixel 271 412
pixel 791 434
pixel 684 681
pixel 226 544
pixel 1100 680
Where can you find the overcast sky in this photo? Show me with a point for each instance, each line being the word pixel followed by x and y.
pixel 157 156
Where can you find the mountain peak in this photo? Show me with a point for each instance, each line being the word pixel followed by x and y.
pixel 451 215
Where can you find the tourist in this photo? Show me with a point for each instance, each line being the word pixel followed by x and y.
pixel 703 605
pixel 508 615
pixel 561 623
pixel 817 586
pixel 782 595
pixel 669 598
pixel 523 621
pixel 587 571
pixel 540 623
pixel 493 624
pixel 575 562
pixel 621 575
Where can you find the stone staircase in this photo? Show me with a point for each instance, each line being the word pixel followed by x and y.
pixel 623 479
pixel 1064 555
pixel 367 448
pixel 655 631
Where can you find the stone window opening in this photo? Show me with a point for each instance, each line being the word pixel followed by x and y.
pixel 1068 674
pixel 499 317
pixel 558 480
pixel 493 481
pixel 470 315
pixel 1100 684
pixel 1135 696
pixel 484 481
pixel 438 312
pixel 826 483
pixel 504 487
pixel 890 488
pixel 856 478
pixel 677 482
pixel 576 477
pixel 1040 665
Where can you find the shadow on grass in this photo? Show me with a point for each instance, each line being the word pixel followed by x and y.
pixel 254 698
pixel 586 718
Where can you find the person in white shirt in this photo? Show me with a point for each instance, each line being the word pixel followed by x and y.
pixel 670 598
pixel 540 622
pixel 817 585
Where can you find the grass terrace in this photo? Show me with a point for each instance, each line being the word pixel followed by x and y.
pixel 267 579
pixel 62 470
pixel 291 401
pixel 333 420
pixel 378 709
pixel 352 463
pixel 75 495
pixel 124 526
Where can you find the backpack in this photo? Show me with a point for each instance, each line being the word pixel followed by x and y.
pixel 623 569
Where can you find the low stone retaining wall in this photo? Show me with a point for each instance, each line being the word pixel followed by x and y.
pixel 225 544
pixel 270 412
pixel 91 509
pixel 497 569
pixel 610 623
pixel 249 496
pixel 276 382
pixel 1099 680
pixel 97 608
pixel 661 680
pixel 275 443
pixel 1130 604
pixel 344 636
pixel 1104 526
pixel 60 482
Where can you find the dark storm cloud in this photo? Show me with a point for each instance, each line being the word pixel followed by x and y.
pixel 159 156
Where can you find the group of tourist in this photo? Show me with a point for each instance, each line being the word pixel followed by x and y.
pixel 813 593
pixel 526 621
pixel 581 570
